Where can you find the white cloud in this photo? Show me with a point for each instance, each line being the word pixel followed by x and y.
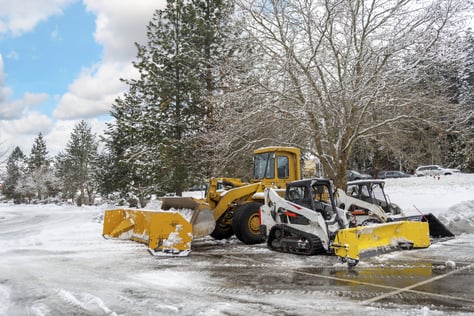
pixel 94 92
pixel 5 92
pixel 21 132
pixel 14 109
pixel 1 71
pixel 18 17
pixel 13 55
pixel 18 123
pixel 60 133
pixel 31 123
pixel 119 24
pixel 17 108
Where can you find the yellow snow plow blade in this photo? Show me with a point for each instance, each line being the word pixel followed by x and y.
pixel 165 232
pixel 197 210
pixel 364 241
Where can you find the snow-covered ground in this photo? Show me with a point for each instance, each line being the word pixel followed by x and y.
pixel 54 261
pixel 450 198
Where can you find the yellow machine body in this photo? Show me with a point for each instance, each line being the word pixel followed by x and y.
pixel 167 232
pixel 365 241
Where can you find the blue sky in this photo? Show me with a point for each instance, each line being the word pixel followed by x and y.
pixel 61 61
pixel 51 55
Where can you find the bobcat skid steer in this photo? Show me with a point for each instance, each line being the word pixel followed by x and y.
pixel 307 222
pixel 367 201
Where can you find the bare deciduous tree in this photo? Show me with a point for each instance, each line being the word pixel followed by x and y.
pixel 328 73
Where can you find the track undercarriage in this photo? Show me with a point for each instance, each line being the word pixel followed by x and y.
pixel 283 238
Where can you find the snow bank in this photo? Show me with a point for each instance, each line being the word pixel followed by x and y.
pixel 450 198
pixel 430 194
pixel 459 218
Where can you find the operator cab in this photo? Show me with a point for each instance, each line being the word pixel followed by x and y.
pixel 372 191
pixel 276 166
pixel 313 194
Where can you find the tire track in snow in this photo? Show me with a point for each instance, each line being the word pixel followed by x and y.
pixel 4 298
pixel 85 302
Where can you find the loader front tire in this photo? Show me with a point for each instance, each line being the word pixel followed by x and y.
pixel 222 230
pixel 246 223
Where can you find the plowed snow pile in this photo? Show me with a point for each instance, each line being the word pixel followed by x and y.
pixel 450 198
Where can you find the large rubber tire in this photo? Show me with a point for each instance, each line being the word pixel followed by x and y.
pixel 246 223
pixel 222 231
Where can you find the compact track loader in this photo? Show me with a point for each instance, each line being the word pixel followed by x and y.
pixel 367 201
pixel 307 222
pixel 230 207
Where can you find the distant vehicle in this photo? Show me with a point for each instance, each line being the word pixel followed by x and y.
pixel 392 174
pixel 201 187
pixel 354 175
pixel 434 170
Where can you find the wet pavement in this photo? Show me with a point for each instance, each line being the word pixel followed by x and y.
pixel 416 277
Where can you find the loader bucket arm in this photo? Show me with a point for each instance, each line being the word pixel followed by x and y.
pixel 352 244
pixel 235 196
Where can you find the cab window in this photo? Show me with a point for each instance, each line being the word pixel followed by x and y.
pixel 283 167
pixel 264 166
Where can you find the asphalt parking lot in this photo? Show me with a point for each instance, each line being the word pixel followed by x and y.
pixel 433 277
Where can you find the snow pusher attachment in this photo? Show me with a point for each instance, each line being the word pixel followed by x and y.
pixel 197 211
pixel 165 232
pixel 367 201
pixel 437 229
pixel 352 244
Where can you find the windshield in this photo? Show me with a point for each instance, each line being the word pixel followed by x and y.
pixel 283 167
pixel 264 166
pixel 366 192
pixel 377 192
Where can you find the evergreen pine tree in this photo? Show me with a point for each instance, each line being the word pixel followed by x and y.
pixel 16 166
pixel 161 121
pixel 63 169
pixel 128 165
pixel 76 166
pixel 39 153
pixel 39 173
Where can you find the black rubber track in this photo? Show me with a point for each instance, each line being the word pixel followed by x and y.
pixel 283 232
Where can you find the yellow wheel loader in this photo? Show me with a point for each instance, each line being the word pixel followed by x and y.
pixel 230 207
pixel 307 222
